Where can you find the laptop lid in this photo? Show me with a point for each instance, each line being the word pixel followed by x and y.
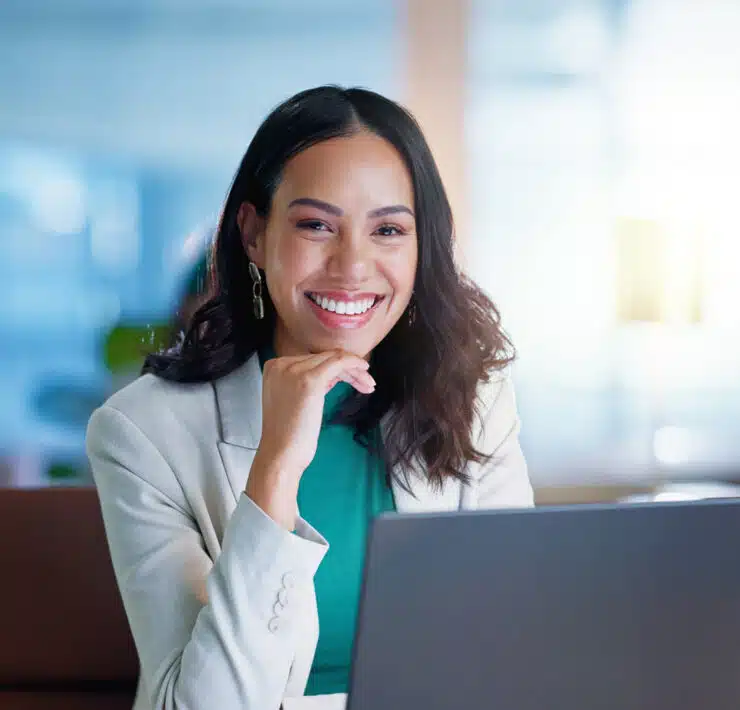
pixel 611 607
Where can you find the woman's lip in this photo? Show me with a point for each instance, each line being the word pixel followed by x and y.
pixel 345 295
pixel 338 321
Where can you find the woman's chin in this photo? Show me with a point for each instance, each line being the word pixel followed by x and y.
pixel 359 349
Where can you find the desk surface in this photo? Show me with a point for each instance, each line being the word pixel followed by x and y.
pixel 316 702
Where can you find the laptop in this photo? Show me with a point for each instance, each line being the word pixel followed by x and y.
pixel 632 607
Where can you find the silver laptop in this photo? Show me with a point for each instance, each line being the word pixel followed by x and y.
pixel 633 607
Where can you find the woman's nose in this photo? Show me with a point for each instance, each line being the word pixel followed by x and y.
pixel 351 260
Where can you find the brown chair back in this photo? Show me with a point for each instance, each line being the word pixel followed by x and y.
pixel 62 623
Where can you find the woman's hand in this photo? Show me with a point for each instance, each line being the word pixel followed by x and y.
pixel 293 392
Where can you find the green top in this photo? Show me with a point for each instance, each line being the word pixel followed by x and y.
pixel 340 492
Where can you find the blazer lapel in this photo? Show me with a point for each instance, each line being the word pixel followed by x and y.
pixel 239 401
pixel 239 397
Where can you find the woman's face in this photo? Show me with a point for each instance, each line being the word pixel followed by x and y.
pixel 339 247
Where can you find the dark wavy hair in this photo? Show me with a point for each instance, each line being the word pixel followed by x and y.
pixel 429 367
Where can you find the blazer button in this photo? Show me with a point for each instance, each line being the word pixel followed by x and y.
pixel 273 626
pixel 289 580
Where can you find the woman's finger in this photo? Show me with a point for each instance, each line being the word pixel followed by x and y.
pixel 326 364
pixel 360 380
pixel 348 368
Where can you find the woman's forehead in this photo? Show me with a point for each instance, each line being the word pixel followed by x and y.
pixel 350 171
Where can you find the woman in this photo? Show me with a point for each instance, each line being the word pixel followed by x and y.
pixel 342 367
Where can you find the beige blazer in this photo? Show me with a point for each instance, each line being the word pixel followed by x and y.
pixel 219 597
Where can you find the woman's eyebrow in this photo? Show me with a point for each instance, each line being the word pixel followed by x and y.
pixel 338 211
pixel 391 209
pixel 318 204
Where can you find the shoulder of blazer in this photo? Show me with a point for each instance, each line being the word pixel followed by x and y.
pixel 157 406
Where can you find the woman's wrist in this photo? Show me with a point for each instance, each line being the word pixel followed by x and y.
pixel 274 490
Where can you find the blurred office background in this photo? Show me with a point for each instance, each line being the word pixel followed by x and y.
pixel 591 149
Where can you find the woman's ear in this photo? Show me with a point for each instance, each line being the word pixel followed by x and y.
pixel 252 228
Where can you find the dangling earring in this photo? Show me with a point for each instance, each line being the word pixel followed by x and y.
pixel 257 302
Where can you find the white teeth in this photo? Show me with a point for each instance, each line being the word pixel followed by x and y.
pixel 350 308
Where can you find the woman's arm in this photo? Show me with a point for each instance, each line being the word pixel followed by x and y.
pixel 502 481
pixel 218 645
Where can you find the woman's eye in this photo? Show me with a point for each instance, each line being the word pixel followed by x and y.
pixel 388 230
pixel 313 225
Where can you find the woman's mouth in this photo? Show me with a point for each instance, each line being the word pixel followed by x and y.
pixel 343 311
pixel 353 307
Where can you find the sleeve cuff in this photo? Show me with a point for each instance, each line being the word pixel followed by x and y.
pixel 271 548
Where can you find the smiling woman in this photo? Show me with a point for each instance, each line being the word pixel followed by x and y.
pixel 342 367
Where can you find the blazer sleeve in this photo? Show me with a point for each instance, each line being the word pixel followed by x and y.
pixel 228 646
pixel 503 480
